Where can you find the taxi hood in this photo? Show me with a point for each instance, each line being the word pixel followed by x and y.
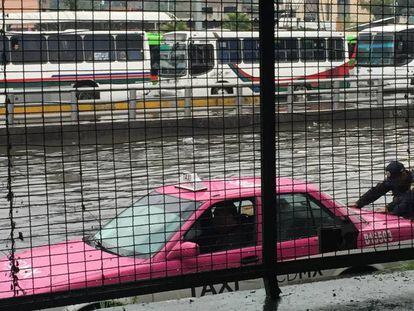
pixel 372 217
pixel 63 266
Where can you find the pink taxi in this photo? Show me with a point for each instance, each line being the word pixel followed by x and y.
pixel 171 231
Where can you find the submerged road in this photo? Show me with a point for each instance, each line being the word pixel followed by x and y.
pixel 70 187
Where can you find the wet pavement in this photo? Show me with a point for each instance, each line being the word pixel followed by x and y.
pixel 380 291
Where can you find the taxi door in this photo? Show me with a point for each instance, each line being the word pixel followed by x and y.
pixel 299 217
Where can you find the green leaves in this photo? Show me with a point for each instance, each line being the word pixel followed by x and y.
pixel 237 22
pixel 174 26
pixel 379 8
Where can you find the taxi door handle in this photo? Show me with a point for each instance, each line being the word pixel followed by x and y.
pixel 249 259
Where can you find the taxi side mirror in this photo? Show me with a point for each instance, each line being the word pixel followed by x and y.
pixel 183 250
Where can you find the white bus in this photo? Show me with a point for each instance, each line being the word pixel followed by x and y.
pixel 386 52
pixel 74 59
pixel 224 57
pixel 91 20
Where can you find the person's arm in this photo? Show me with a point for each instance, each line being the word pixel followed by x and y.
pixel 373 194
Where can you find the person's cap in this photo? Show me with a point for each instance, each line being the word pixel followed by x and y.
pixel 394 168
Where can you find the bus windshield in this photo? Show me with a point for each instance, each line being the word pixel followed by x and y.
pixel 173 59
pixel 376 50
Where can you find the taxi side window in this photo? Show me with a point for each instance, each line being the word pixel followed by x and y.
pixel 300 217
pixel 321 216
pixel 226 225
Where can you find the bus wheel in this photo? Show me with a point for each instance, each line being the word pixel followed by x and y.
pixel 83 95
pixel 221 90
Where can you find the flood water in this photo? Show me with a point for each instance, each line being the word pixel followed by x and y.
pixel 61 192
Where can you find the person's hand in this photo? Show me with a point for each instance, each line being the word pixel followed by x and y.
pixel 381 210
pixel 353 205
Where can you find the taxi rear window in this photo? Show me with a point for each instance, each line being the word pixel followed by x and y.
pixel 299 216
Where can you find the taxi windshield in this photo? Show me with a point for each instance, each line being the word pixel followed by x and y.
pixel 143 229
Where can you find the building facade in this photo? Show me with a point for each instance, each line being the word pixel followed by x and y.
pixel 342 14
pixel 20 5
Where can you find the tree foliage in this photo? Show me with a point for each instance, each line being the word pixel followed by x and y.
pixel 237 21
pixel 405 7
pixel 174 26
pixel 379 8
pixel 77 5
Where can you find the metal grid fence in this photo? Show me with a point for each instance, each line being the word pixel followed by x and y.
pixel 167 149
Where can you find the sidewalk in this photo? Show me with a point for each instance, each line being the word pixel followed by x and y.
pixel 380 291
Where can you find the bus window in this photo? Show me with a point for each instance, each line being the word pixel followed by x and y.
pixel 286 50
pixel 382 50
pixel 336 49
pixel 99 48
pixel 65 48
pixel 251 51
pixel 28 49
pixel 351 40
pixel 351 49
pixel 155 58
pixel 201 58
pixel 129 47
pixel 313 49
pixel 229 51
pixel 363 49
pixel 173 59
pixel 5 52
pixel 404 47
pixel 154 42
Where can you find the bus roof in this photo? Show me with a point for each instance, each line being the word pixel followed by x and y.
pixel 388 28
pixel 75 32
pixel 86 16
pixel 208 34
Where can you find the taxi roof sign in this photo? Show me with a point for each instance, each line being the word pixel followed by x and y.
pixel 191 182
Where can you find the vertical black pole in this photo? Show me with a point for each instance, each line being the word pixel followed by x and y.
pixel 268 146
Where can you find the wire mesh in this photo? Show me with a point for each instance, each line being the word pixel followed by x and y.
pixel 133 150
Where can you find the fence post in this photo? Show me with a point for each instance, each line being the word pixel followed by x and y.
pixel 268 153
pixel 380 94
pixel 132 104
pixel 10 109
pixel 188 94
pixel 239 99
pixel 74 106
pixel 336 95
pixel 289 99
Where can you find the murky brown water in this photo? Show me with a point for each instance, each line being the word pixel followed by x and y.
pixel 63 192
